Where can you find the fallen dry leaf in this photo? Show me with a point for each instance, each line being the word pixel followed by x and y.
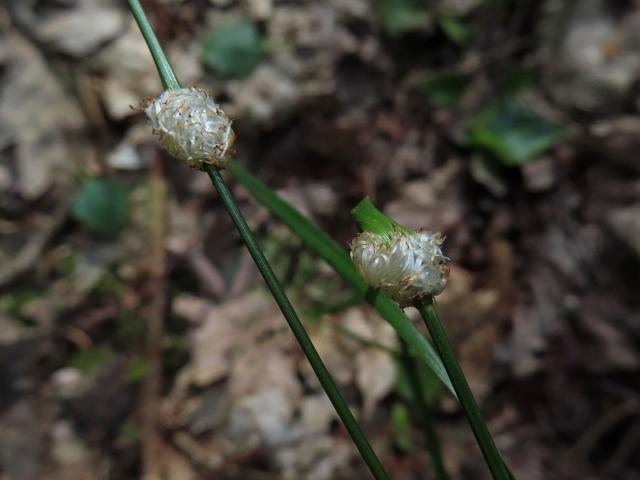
pixel 80 31
pixel 375 377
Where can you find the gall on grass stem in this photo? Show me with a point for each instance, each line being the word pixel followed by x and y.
pixel 409 266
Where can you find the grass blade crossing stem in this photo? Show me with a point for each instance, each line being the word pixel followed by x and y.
pixel 338 258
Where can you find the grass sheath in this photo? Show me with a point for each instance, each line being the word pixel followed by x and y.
pixel 498 468
pixel 170 80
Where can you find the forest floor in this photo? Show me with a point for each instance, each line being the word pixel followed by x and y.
pixel 136 337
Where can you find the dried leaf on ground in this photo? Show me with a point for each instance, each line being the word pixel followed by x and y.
pixel 80 31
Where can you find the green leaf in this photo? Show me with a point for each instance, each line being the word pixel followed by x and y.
pixel 128 434
pixel 370 219
pixel 102 206
pixel 454 29
pixel 89 360
pixel 108 283
pixel 400 16
pixel 519 80
pixel 16 304
pixel 401 427
pixel 67 264
pixel 337 257
pixel 138 370
pixel 445 90
pixel 512 132
pixel 233 49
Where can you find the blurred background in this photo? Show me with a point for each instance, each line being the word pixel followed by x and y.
pixel 136 337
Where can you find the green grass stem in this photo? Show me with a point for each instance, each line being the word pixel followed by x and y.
pixel 498 468
pixel 167 75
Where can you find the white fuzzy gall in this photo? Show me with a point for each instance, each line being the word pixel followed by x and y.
pixel 407 266
pixel 191 126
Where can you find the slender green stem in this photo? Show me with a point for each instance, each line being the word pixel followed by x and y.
pixel 167 75
pixel 423 410
pixel 169 80
pixel 492 456
pixel 297 328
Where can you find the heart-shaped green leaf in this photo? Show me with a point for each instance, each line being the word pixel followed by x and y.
pixel 102 206
pixel 512 132
pixel 233 49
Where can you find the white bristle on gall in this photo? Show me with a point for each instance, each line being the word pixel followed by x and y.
pixel 407 267
pixel 191 126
